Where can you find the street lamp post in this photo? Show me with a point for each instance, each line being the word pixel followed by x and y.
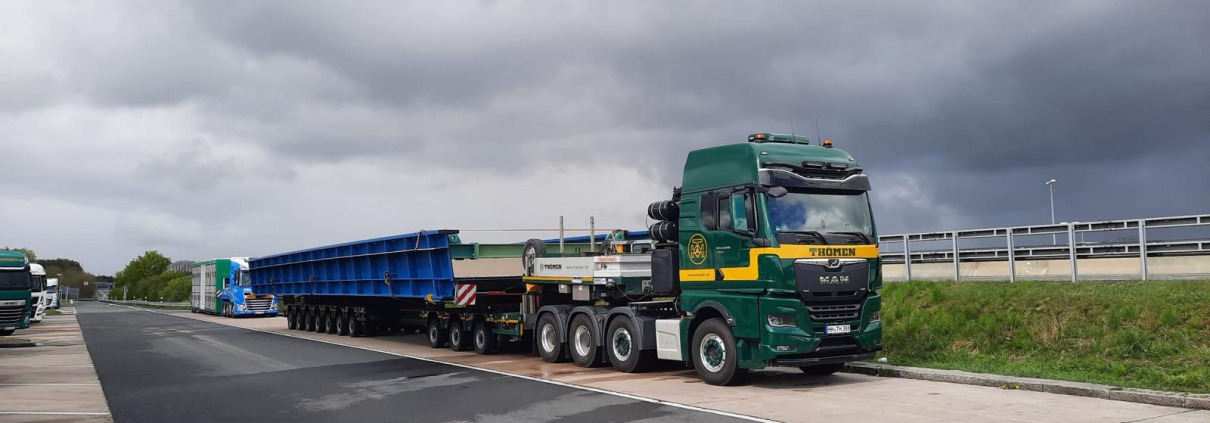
pixel 1054 239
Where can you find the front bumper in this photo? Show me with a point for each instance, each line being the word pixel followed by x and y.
pixel 811 361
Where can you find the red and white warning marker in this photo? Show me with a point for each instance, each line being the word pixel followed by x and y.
pixel 464 294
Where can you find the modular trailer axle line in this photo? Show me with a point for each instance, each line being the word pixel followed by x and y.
pixel 765 256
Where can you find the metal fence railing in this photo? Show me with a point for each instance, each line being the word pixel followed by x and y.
pixel 1184 235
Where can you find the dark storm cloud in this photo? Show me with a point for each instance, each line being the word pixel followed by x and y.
pixel 959 111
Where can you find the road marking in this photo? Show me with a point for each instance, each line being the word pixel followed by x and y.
pixel 55 413
pixel 552 382
pixel 50 384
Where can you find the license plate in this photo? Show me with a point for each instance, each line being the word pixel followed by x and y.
pixel 836 329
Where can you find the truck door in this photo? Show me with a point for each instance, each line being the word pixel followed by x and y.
pixel 732 239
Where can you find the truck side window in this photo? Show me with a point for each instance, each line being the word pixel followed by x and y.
pixel 739 212
pixel 724 214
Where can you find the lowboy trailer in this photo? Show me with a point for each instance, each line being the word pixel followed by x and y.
pixel 765 256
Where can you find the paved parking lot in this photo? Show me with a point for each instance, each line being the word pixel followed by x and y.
pixel 54 381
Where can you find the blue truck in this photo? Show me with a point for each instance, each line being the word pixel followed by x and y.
pixel 765 256
pixel 222 286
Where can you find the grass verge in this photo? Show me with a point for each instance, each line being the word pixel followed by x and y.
pixel 1153 334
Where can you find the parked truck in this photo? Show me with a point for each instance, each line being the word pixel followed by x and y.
pixel 16 296
pixel 764 256
pixel 52 293
pixel 37 292
pixel 221 286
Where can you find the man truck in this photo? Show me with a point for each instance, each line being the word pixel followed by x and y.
pixel 221 286
pixel 38 292
pixel 16 285
pixel 764 256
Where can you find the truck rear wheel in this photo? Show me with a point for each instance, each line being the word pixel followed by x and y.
pixel 622 345
pixel 583 345
pixel 437 337
pixel 459 339
pixel 822 369
pixel 485 340
pixel 547 339
pixel 714 354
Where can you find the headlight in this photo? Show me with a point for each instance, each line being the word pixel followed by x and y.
pixel 243 307
pixel 875 316
pixel 782 320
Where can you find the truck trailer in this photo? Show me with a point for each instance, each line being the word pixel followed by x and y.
pixel 221 286
pixel 764 256
pixel 16 298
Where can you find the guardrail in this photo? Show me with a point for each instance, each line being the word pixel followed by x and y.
pixel 1141 247
pixel 149 303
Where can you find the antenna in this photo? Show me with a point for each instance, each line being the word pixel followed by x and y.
pixel 793 137
pixel 817 131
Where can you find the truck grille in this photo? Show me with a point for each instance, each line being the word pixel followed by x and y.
pixel 10 315
pixel 258 304
pixel 833 290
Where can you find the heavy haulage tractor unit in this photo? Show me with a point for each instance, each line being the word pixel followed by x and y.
pixel 765 256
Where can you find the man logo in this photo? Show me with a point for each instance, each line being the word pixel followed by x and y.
pixel 697 249
pixel 833 280
pixel 833 263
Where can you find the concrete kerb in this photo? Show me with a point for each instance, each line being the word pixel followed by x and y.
pixel 1143 396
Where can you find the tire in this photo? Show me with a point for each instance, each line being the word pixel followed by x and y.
pixel 534 248
pixel 437 337
pixel 483 339
pixel 822 369
pixel 310 319
pixel 547 339
pixel 582 343
pixel 330 322
pixel 321 321
pixel 292 320
pixel 460 340
pixel 342 323
pixel 357 328
pixel 714 354
pixel 7 332
pixel 622 345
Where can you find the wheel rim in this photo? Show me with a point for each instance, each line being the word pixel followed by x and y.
pixel 480 338
pixel 583 340
pixel 621 344
pixel 455 337
pixel 548 337
pixel 433 333
pixel 712 352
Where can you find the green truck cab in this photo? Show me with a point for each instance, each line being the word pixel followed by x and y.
pixel 16 285
pixel 778 263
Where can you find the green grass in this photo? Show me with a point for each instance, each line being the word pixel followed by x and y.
pixel 1153 334
pixel 53 312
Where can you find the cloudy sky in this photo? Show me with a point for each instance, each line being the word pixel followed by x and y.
pixel 248 128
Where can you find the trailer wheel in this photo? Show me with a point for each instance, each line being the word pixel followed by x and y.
pixel 714 354
pixel 342 323
pixel 459 339
pixel 822 369
pixel 547 339
pixel 582 344
pixel 309 315
pixel 291 319
pixel 437 337
pixel 357 328
pixel 331 323
pixel 623 347
pixel 485 340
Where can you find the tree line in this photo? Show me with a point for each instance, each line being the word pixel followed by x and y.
pixel 70 272
pixel 147 277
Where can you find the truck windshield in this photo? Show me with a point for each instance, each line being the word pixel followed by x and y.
pixel 39 283
pixel 833 217
pixel 15 280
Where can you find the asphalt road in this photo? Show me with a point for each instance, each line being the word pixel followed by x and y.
pixel 155 367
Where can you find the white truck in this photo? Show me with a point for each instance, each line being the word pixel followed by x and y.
pixel 38 308
pixel 52 293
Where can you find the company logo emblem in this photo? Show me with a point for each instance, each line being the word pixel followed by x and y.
pixel 697 249
pixel 833 251
pixel 833 263
pixel 833 280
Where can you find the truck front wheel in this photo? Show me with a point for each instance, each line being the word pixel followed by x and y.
pixel 622 345
pixel 714 354
pixel 547 339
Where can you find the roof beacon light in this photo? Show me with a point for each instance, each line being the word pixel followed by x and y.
pixel 827 143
